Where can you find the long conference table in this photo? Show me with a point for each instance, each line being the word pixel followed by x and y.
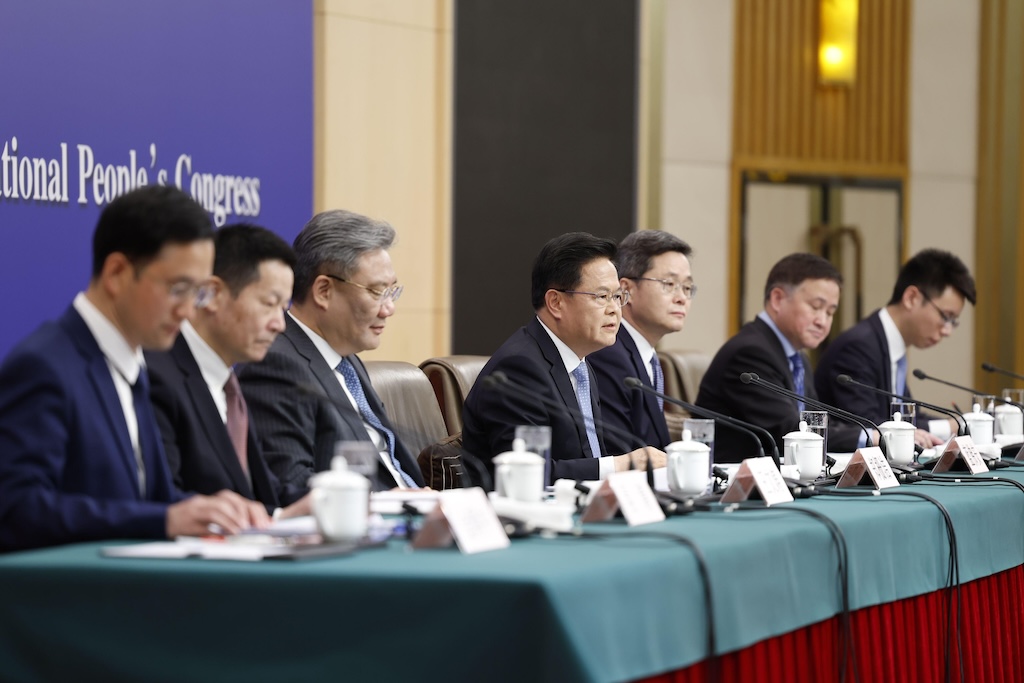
pixel 624 605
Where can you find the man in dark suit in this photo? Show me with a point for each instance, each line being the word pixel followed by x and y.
pixel 311 391
pixel 800 299
pixel 208 436
pixel 654 267
pixel 575 292
pixel 925 308
pixel 80 453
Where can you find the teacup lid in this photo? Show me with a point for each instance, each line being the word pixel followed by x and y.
pixel 339 477
pixel 976 414
pixel 518 455
pixel 802 434
pixel 687 445
pixel 1007 408
pixel 896 423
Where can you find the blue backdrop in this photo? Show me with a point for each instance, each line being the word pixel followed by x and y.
pixel 215 96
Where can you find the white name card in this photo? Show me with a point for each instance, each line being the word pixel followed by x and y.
pixel 868 466
pixel 961 455
pixel 628 491
pixel 467 516
pixel 758 479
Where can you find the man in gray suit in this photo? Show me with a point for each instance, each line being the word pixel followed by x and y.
pixel 312 391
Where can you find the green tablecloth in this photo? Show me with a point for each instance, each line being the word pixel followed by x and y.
pixel 567 609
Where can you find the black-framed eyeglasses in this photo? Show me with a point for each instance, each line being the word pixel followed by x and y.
pixel 947 319
pixel 689 290
pixel 382 295
pixel 620 296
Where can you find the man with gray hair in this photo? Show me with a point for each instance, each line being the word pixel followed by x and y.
pixel 311 390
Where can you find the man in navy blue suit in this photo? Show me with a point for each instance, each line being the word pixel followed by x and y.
pixel 654 267
pixel 929 295
pixel 801 295
pixel 576 295
pixel 208 436
pixel 80 454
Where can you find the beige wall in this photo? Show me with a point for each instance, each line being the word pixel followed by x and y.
pixel 382 147
pixel 943 158
pixel 697 148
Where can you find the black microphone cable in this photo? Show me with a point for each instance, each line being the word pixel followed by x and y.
pixel 953 627
pixel 847 656
pixel 702 568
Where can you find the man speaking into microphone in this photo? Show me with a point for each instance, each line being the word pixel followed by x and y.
pixel 924 309
pixel 800 298
pixel 576 294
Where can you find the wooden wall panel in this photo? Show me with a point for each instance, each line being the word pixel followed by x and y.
pixel 784 119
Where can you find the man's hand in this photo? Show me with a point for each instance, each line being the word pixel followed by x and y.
pixel 300 508
pixel 228 510
pixel 639 459
pixel 926 439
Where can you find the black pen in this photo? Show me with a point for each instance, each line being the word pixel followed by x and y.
pixel 956 407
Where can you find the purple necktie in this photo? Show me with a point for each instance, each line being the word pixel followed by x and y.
pixel 238 420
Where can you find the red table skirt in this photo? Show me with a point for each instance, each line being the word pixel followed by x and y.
pixel 899 641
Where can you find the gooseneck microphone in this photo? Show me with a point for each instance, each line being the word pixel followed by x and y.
pixel 961 424
pixel 988 367
pixel 865 424
pixel 749 428
pixel 920 374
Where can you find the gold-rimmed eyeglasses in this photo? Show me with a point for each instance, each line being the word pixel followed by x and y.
pixel 689 290
pixel 382 295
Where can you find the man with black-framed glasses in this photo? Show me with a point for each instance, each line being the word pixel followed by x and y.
pixel 312 391
pixel 654 268
pixel 578 300
pixel 927 299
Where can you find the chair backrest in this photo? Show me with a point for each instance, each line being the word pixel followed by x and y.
pixel 451 378
pixel 409 400
pixel 683 371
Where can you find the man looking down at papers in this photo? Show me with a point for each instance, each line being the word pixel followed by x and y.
pixel 311 390
pixel 578 302
pixel 800 298
pixel 927 299
pixel 80 451
pixel 208 433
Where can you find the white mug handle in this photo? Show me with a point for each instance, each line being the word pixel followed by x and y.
pixel 500 473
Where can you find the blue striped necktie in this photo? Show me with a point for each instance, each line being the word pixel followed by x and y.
pixel 586 408
pixel 355 387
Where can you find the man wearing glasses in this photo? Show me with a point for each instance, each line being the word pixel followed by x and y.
pixel 80 451
pixel 311 390
pixel 925 308
pixel 654 268
pixel 578 301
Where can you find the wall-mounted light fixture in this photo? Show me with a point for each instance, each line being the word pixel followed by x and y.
pixel 837 47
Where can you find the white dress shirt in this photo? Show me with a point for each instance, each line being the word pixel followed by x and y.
pixel 125 364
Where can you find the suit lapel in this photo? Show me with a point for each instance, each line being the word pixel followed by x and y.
pixel 560 378
pixel 324 374
pixel 778 354
pixel 655 414
pixel 209 416
pixel 99 375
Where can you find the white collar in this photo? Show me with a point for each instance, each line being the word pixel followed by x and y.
pixel 897 347
pixel 569 357
pixel 787 346
pixel 642 345
pixel 127 361
pixel 211 365
pixel 326 350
